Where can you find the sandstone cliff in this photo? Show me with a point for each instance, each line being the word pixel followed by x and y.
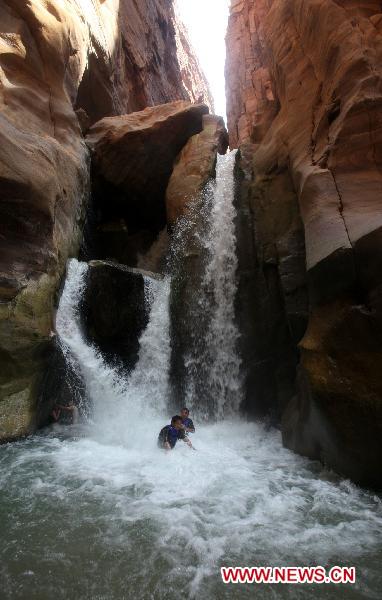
pixel 62 63
pixel 304 82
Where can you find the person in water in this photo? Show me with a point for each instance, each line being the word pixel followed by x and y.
pixel 187 422
pixel 170 434
pixel 66 415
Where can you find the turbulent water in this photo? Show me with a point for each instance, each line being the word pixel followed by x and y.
pixel 96 511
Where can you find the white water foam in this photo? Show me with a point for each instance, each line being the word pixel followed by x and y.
pixel 205 265
pixel 119 403
pixel 97 520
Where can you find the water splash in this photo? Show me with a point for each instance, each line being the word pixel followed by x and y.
pixel 119 403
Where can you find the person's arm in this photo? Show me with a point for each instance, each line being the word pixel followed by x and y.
pixel 56 413
pixel 182 436
pixel 188 442
pixel 70 408
pixel 167 445
pixel 190 428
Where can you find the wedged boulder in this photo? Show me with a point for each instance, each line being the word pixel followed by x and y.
pixel 195 165
pixel 115 309
pixel 133 157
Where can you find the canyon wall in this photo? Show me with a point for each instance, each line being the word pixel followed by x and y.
pixel 304 92
pixel 64 65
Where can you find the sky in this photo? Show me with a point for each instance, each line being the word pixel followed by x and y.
pixel 206 21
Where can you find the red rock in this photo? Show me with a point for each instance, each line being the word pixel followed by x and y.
pixel 99 58
pixel 194 166
pixel 308 96
pixel 135 155
pixel 138 55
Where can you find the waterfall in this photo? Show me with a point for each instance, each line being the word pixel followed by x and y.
pixel 211 359
pixel 220 276
pixel 206 363
pixel 119 402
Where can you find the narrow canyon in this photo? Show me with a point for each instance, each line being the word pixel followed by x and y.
pixel 154 256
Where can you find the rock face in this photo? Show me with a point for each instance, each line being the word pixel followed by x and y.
pixel 135 54
pixel 195 165
pixel 138 55
pixel 114 310
pixel 304 86
pixel 62 65
pixel 44 184
pixel 272 303
pixel 133 164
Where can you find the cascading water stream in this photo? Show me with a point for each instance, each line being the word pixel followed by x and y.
pixel 220 276
pixel 204 264
pixel 97 511
pixel 119 403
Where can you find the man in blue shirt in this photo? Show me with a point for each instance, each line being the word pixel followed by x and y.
pixel 187 422
pixel 170 434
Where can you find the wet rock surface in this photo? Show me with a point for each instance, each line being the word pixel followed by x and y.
pixel 115 310
pixel 62 384
pixel 272 301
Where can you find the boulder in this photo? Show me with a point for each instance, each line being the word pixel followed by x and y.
pixel 195 165
pixel 114 310
pixel 133 157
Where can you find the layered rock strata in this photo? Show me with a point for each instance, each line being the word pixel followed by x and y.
pixel 304 88
pixel 63 66
pixel 44 185
pixel 137 54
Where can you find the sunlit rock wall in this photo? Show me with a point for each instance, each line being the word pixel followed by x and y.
pixel 63 65
pixel 304 83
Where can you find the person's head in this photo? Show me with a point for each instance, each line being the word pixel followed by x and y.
pixel 177 422
pixel 184 413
